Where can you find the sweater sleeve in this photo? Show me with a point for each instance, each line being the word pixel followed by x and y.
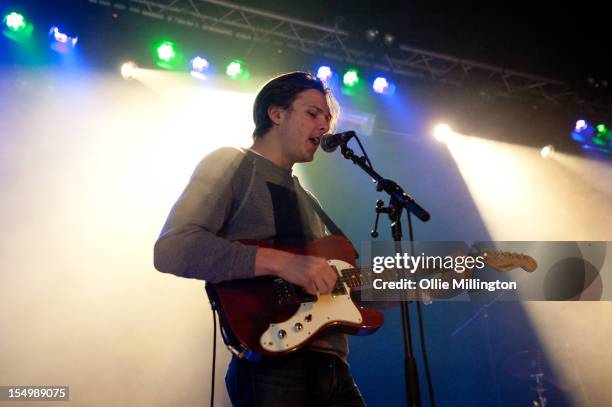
pixel 189 245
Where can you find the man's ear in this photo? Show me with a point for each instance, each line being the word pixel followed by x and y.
pixel 275 113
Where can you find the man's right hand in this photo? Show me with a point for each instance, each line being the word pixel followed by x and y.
pixel 312 273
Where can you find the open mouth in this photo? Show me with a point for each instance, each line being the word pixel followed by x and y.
pixel 315 140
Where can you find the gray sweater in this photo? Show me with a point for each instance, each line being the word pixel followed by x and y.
pixel 236 194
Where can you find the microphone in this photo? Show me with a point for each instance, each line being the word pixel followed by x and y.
pixel 330 142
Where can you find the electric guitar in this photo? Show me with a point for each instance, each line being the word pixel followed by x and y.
pixel 267 316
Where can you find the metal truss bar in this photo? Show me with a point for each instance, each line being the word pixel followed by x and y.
pixel 277 17
pixel 249 23
pixel 254 21
pixel 466 62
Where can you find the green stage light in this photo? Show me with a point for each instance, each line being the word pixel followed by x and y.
pixel 15 22
pixel 234 69
pixel 602 130
pixel 351 78
pixel 166 51
pixel 16 27
pixel 168 55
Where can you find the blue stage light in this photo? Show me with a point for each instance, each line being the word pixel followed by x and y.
pixel 199 66
pixel 60 41
pixel 581 125
pixel 324 73
pixel 380 85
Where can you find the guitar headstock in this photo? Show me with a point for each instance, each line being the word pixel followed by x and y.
pixel 506 261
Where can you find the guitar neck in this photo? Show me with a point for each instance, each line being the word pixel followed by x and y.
pixel 353 277
pixel 500 261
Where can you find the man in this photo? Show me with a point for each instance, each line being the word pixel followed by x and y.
pixel 237 194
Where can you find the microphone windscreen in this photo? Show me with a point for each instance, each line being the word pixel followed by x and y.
pixel 327 143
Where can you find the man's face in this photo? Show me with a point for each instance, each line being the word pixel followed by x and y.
pixel 302 126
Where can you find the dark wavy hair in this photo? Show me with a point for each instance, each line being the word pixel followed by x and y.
pixel 281 91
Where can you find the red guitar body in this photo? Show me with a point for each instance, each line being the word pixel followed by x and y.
pixel 267 316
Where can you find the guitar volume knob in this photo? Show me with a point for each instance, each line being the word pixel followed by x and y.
pixel 298 327
pixel 282 334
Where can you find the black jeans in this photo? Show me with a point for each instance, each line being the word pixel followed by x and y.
pixel 304 378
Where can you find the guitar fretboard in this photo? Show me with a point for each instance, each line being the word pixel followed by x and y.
pixel 352 277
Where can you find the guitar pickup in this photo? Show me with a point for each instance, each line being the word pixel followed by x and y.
pixel 284 293
pixel 287 293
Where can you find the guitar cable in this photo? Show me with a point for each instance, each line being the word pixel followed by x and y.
pixel 214 360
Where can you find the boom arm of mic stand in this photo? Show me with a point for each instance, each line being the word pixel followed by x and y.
pixel 390 187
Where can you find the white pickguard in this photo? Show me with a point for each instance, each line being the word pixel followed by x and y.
pixel 310 317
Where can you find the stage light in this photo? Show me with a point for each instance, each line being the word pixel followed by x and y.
pixel 602 130
pixel 596 137
pixel 234 69
pixel 380 85
pixel 168 55
pixel 351 78
pixel 128 70
pixel 166 51
pixel 547 151
pixel 199 66
pixel 62 38
pixel 372 34
pixel 324 73
pixel 442 132
pixel 15 22
pixel 16 27
pixel 389 39
pixel 60 41
pixel 581 125
pixel 59 37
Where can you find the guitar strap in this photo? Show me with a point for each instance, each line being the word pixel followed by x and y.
pixel 333 228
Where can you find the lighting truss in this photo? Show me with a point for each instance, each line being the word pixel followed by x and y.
pixel 251 24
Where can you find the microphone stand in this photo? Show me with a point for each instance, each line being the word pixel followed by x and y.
pixel 399 200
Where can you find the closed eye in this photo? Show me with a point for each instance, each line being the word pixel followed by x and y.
pixel 317 110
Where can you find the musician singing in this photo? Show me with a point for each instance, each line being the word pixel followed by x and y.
pixel 252 194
